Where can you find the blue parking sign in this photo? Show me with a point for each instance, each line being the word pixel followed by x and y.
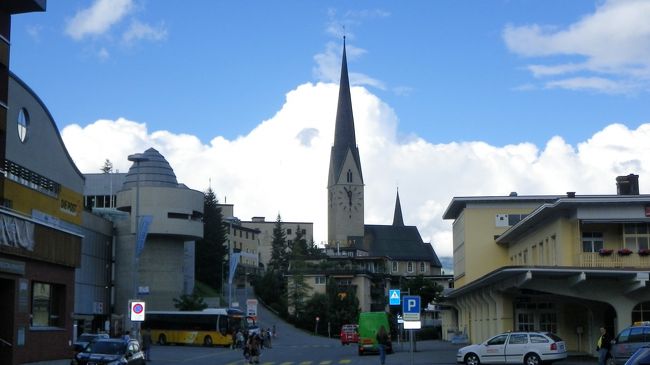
pixel 411 307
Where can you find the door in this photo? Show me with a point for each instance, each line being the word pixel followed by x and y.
pixel 7 309
pixel 493 350
pixel 516 348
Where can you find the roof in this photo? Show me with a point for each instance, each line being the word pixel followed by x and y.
pixel 402 243
pixel 153 171
pixel 398 220
pixel 459 203
pixel 344 135
pixel 23 6
pixel 552 209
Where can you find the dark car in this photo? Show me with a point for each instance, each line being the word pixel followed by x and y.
pixel 85 339
pixel 640 357
pixel 628 341
pixel 111 351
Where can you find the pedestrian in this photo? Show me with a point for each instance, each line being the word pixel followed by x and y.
pixel 382 341
pixel 254 351
pixel 268 338
pixel 239 339
pixel 146 343
pixel 273 330
pixel 603 346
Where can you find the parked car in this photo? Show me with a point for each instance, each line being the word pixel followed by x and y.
pixel 628 341
pixel 111 351
pixel 85 338
pixel 529 348
pixel 349 334
pixel 369 324
pixel 640 357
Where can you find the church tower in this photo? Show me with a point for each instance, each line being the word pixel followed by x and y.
pixel 345 224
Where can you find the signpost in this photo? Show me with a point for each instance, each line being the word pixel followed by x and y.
pixel 411 315
pixel 137 310
pixel 251 308
pixel 394 297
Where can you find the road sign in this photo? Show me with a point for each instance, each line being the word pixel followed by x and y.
pixel 393 297
pixel 411 308
pixel 137 310
pixel 251 307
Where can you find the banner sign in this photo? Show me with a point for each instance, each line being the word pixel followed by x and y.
pixel 15 232
pixel 143 229
pixel 234 260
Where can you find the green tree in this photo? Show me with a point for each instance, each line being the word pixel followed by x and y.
pixel 211 250
pixel 108 167
pixel 297 292
pixel 279 257
pixel 427 289
pixel 343 304
pixel 299 247
pixel 316 306
pixel 191 302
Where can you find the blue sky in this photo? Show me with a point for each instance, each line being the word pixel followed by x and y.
pixel 532 94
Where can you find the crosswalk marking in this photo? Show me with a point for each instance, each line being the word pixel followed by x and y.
pixel 326 362
pixel 287 363
pixel 345 361
pixel 305 363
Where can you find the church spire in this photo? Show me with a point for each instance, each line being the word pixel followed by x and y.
pixel 344 134
pixel 397 217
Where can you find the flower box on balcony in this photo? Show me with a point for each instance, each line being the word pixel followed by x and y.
pixel 624 251
pixel 644 252
pixel 605 251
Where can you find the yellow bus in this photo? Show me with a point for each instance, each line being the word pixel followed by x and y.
pixel 212 326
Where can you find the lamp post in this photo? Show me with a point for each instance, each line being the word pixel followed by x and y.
pixel 137 158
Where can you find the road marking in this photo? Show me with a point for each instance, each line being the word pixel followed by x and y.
pixel 305 363
pixel 326 362
pixel 345 361
pixel 287 363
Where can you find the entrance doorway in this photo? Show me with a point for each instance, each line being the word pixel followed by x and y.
pixel 7 300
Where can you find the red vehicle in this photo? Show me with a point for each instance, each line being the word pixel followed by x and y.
pixel 349 334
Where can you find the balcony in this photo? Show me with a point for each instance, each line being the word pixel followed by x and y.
pixel 595 260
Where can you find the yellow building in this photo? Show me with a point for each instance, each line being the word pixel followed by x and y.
pixel 566 264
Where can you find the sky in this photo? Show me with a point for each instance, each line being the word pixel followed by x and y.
pixel 450 98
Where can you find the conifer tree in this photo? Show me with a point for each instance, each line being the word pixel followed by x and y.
pixel 279 260
pixel 210 251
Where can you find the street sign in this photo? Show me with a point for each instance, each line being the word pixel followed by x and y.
pixel 412 325
pixel 393 297
pixel 251 307
pixel 411 308
pixel 137 310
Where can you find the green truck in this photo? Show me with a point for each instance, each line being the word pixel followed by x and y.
pixel 369 324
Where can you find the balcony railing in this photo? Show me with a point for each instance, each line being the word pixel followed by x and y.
pixel 594 259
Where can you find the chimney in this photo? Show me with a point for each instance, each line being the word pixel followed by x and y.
pixel 627 185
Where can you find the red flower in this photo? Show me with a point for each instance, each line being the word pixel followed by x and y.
pixel 624 251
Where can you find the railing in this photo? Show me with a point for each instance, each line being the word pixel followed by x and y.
pixel 594 259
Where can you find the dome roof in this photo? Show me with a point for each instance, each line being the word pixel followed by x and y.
pixel 153 169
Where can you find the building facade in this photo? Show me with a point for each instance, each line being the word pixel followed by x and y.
pixel 265 229
pixel 566 264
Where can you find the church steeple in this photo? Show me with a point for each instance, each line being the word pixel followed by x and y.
pixel 344 134
pixel 397 217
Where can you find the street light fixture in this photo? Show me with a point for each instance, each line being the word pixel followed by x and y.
pixel 137 158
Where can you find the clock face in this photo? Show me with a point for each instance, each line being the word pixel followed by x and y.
pixel 348 197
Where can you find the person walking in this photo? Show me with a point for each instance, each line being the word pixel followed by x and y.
pixel 603 346
pixel 382 341
pixel 146 343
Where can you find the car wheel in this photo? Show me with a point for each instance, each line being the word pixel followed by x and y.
pixel 532 359
pixel 207 341
pixel 472 359
pixel 162 340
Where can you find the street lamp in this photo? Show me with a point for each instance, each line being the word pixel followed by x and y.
pixel 137 158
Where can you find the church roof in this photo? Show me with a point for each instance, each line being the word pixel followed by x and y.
pixel 398 220
pixel 402 243
pixel 154 170
pixel 344 135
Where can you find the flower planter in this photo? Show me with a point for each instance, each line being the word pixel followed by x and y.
pixel 605 252
pixel 644 252
pixel 624 252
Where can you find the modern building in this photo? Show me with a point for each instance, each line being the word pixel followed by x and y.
pixel 153 269
pixel 368 258
pixel 567 264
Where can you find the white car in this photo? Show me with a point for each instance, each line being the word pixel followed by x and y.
pixel 529 348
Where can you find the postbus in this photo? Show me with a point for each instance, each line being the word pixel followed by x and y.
pixel 212 326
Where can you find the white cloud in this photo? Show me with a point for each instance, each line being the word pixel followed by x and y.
pixel 103 54
pixel 138 31
pixel 98 18
pixel 613 42
pixel 281 165
pixel 328 65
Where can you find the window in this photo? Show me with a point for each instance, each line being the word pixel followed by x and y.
pixel 641 312
pixel 518 339
pixel 320 280
pixel 288 230
pixel 636 236
pixel 395 266
pixel 525 321
pixel 304 231
pixel 538 339
pixel 592 241
pixel 498 340
pixel 349 176
pixel 422 267
pixel 23 124
pixel 548 322
pixel 409 266
pixel 47 302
